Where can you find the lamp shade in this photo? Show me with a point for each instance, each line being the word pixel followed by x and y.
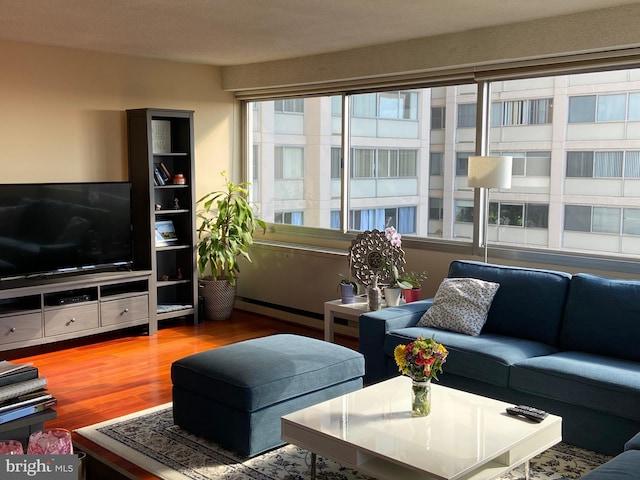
pixel 489 172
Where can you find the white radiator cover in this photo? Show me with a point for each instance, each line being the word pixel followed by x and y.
pixel 294 277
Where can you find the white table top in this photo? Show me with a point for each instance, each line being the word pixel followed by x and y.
pixel 466 436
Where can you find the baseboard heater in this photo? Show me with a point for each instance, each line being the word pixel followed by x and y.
pixel 288 314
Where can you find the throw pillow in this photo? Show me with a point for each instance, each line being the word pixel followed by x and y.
pixel 460 305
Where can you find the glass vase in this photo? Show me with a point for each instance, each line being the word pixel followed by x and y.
pixel 420 398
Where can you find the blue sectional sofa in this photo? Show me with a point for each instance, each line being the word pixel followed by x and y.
pixel 625 466
pixel 568 344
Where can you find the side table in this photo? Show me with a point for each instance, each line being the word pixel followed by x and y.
pixel 348 311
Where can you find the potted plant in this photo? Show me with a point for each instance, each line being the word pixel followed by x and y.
pixel 348 289
pixel 414 279
pixel 227 226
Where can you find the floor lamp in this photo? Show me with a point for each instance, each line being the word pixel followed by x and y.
pixel 488 173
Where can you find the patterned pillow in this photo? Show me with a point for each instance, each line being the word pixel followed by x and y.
pixel 460 305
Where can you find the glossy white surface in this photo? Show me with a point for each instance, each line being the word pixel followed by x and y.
pixel 466 436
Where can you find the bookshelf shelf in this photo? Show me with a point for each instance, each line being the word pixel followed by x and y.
pixel 152 174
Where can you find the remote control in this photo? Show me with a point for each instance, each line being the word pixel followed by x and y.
pixel 530 413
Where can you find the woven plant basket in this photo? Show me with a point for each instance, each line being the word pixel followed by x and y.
pixel 219 297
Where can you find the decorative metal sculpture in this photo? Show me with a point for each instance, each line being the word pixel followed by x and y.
pixel 369 254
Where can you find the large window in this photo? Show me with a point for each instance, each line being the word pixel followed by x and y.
pixel 574 140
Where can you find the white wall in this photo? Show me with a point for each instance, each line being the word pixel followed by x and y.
pixel 63 113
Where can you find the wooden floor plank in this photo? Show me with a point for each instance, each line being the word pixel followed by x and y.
pixel 107 376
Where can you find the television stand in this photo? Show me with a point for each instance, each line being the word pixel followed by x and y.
pixel 39 311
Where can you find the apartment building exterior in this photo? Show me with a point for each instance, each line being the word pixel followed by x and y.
pixel 574 139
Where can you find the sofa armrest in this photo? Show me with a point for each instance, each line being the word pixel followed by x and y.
pixel 634 443
pixel 373 327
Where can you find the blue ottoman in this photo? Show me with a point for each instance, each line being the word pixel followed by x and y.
pixel 235 395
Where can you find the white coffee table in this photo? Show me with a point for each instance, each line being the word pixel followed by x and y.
pixel 350 311
pixel 465 437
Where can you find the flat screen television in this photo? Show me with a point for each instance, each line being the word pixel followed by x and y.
pixel 53 228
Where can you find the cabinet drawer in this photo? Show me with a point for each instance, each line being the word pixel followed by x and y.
pixel 60 320
pixel 18 328
pixel 124 310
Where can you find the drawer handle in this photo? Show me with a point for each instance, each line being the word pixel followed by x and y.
pixel 12 329
pixel 126 310
pixel 71 320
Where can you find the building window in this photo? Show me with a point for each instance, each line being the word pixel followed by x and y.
pixel 577 218
pixel 611 108
pixel 536 215
pixel 438 118
pixel 336 106
pixel 601 164
pixel 399 105
pixel 522 112
pixel 632 165
pixel 335 162
pixel 601 108
pixel 289 218
pixel 384 163
pixel 464 211
pixel 335 219
pixel 436 210
pixel 582 109
pixel 435 164
pixel 467 115
pixel 363 163
pixel 402 218
pixel 631 221
pixel 289 105
pixel 392 105
pixel 289 163
pixel 607 165
pixel 462 163
pixel 633 112
pixel 528 215
pixel 579 164
pixel 586 218
pixel 529 164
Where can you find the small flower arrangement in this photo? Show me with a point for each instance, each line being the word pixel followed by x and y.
pixel 395 240
pixel 422 359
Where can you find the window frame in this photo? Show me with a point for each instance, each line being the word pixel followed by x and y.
pixel 526 254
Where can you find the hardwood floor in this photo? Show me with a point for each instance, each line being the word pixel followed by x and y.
pixel 103 377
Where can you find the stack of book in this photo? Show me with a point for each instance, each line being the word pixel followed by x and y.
pixel 22 392
pixel 161 175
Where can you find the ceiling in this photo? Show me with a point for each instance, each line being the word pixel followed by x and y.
pixel 235 32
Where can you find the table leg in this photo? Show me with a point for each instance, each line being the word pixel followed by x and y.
pixel 328 325
pixel 313 466
pixel 526 470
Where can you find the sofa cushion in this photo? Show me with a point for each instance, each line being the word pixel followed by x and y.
pixel 623 467
pixel 486 357
pixel 460 305
pixel 602 317
pixel 529 303
pixel 634 443
pixel 593 381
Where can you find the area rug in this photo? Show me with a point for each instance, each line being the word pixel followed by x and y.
pixel 150 440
